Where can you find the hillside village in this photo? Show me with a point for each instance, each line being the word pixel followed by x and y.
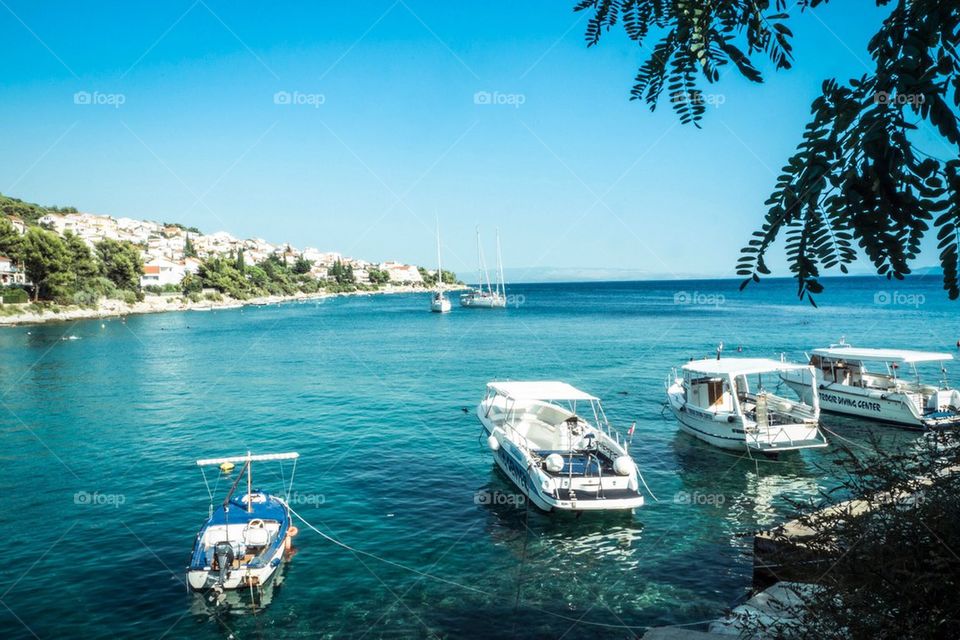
pixel 171 251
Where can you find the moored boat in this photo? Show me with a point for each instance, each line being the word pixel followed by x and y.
pixel 495 295
pixel 847 385
pixel 725 402
pixel 242 543
pixel 558 459
pixel 439 303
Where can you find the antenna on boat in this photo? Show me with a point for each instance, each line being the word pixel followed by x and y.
pixel 719 349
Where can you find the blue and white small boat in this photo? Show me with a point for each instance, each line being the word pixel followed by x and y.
pixel 243 542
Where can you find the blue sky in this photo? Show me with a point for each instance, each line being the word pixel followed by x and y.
pixel 385 134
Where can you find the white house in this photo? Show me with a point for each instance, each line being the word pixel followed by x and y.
pixel 160 272
pixel 9 273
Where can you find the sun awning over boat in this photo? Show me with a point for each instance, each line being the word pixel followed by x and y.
pixel 254 458
pixel 740 366
pixel 539 390
pixel 882 355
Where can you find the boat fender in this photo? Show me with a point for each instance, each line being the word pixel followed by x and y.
pixel 288 541
pixel 493 443
pixel 623 466
pixel 554 463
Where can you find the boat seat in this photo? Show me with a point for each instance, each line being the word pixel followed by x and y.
pixel 256 536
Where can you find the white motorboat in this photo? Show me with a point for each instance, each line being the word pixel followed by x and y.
pixel 243 541
pixel 495 295
pixel 893 392
pixel 439 303
pixel 726 403
pixel 556 458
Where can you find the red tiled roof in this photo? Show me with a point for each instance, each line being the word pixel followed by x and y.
pixel 152 269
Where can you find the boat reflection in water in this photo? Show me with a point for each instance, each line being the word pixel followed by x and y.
pixel 240 602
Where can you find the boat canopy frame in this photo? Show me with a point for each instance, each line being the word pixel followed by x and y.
pixel 552 392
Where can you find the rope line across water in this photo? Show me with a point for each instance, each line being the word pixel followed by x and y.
pixel 466 587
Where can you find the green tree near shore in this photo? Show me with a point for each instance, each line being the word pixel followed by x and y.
pixel 121 263
pixel 378 276
pixel 858 179
pixel 46 262
pixel 11 242
pixel 342 273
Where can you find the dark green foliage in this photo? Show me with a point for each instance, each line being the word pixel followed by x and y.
pixel 302 266
pixel 120 262
pixel 82 263
pixel 30 212
pixel 11 242
pixel 378 276
pixel 46 262
pixel 191 284
pixel 429 279
pixel 857 179
pixel 189 251
pixel 692 39
pixel 231 276
pixel 341 273
pixel 894 571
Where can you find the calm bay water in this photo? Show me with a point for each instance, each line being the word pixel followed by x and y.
pixel 103 499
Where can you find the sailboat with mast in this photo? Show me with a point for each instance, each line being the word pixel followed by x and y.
pixel 495 295
pixel 439 303
pixel 243 542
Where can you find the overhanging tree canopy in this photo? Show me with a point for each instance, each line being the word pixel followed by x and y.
pixel 857 177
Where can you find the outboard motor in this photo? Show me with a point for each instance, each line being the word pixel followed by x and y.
pixel 223 551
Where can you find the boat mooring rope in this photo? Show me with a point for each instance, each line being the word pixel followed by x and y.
pixel 466 587
pixel 847 440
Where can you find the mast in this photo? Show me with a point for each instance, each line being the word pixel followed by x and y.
pixel 439 265
pixel 479 263
pixel 249 483
pixel 502 284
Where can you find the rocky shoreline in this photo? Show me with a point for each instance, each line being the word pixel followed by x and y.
pixel 162 304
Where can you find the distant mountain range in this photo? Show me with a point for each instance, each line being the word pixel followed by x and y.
pixel 599 274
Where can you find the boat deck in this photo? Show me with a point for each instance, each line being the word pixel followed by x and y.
pixel 580 464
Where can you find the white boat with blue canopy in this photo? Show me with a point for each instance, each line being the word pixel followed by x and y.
pixel 243 541
pixel 727 403
pixel 555 444
pixel 882 385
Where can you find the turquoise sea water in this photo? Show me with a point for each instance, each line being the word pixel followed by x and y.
pixel 102 497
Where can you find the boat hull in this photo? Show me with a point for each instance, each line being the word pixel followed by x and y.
pixel 726 431
pixel 482 302
pixel 529 479
pixel 872 404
